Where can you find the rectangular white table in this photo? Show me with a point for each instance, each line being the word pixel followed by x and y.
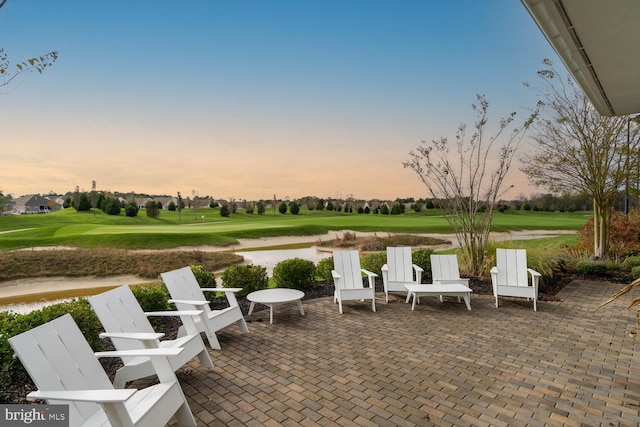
pixel 454 290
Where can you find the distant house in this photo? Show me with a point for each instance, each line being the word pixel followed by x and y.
pixel 166 201
pixel 33 204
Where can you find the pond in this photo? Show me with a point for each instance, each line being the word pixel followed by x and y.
pixel 267 259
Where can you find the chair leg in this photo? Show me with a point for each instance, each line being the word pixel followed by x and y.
pixel 243 325
pixel 204 359
pixel 373 304
pixel 340 305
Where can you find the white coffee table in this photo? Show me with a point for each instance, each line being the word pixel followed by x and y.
pixel 275 296
pixel 455 290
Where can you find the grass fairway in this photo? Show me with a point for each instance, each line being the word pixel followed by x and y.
pixel 207 227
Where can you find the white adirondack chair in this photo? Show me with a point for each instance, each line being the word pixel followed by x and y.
pixel 347 277
pixel 399 271
pixel 66 371
pixel 445 271
pixel 128 328
pixel 187 294
pixel 510 276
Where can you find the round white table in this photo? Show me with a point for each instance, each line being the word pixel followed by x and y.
pixel 275 296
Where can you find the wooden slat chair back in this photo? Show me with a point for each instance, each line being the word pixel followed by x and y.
pixel 510 276
pixel 66 371
pixel 347 277
pixel 187 294
pixel 399 270
pixel 128 328
pixel 445 269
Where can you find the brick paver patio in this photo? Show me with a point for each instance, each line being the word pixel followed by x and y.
pixel 571 363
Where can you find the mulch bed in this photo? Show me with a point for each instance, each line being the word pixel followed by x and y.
pixel 19 384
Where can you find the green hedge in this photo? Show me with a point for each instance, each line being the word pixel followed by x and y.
pixel 248 277
pixel 295 273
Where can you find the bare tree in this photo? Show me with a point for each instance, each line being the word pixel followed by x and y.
pixel 578 151
pixel 460 177
pixel 180 206
pixel 38 63
pixel 94 197
pixel 194 203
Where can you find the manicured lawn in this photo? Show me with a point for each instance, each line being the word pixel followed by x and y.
pixel 207 227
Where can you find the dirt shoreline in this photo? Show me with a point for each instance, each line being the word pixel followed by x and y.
pixel 45 285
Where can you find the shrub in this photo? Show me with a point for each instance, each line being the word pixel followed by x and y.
pixel 635 272
pixel 84 204
pixel 224 211
pixel 152 297
pixel 152 210
pixel 374 262
pixel 294 208
pixel 205 279
pixel 111 206
pixel 248 277
pixel 591 268
pixel 282 208
pixel 422 258
pixel 631 262
pixel 295 273
pixel 131 209
pixel 623 234
pixel 323 269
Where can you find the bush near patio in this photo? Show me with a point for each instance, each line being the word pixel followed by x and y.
pixel 295 273
pixel 248 277
pixel 624 235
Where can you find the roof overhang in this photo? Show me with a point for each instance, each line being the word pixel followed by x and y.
pixel 599 43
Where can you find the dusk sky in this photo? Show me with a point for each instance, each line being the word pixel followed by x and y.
pixel 250 98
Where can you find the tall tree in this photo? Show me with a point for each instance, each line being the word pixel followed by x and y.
pixel 468 177
pixel 578 151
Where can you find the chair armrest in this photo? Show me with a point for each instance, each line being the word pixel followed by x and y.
pixel 385 268
pixel 533 272
pixel 234 290
pixel 149 352
pixel 174 313
pixel 97 396
pixel 197 303
pixel 186 316
pixel 417 268
pixel 139 336
pixel 335 274
pixel 369 273
pixel 494 270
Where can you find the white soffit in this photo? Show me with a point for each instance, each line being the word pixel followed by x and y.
pixel 599 43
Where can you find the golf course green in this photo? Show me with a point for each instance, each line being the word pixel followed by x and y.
pixel 207 227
